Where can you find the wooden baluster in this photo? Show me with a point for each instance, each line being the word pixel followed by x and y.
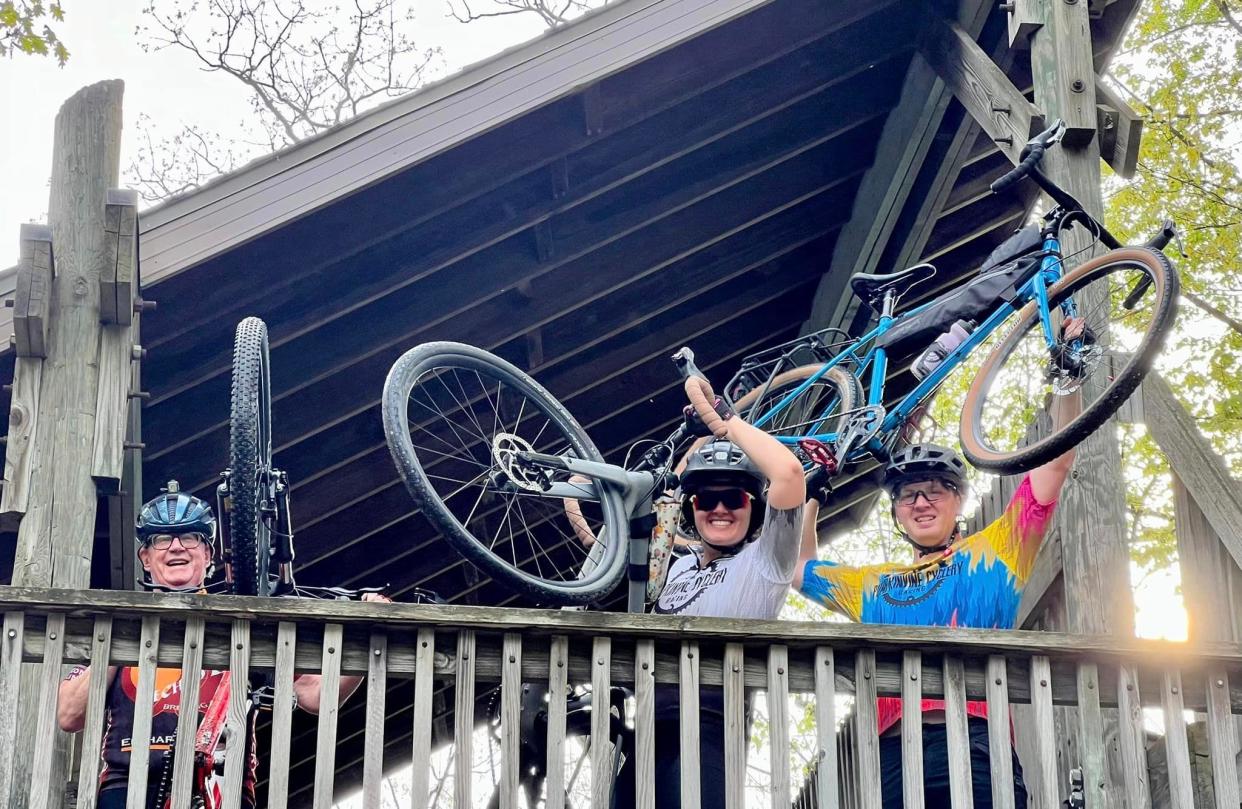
pixel 420 757
pixel 92 733
pixel 735 726
pixel 45 717
pixel 1222 740
pixel 187 721
pixel 691 785
pixel 849 761
pixel 912 730
pixel 601 747
pixel 144 694
pixel 644 724
pixel 1177 750
pixel 1045 733
pixel 1091 735
pixel 373 736
pixel 866 733
pixel 778 723
pixel 826 729
pixel 1130 738
pixel 10 683
pixel 329 708
pixel 558 693
pixel 957 731
pixel 1000 753
pixel 238 724
pixel 510 719
pixel 463 720
pixel 282 714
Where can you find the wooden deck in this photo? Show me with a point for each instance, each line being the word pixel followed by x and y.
pixel 427 662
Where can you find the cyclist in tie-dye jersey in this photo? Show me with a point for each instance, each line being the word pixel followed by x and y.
pixel 959 580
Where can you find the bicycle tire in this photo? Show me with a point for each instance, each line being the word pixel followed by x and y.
pixel 422 468
pixel 1134 363
pixel 250 459
pixel 848 391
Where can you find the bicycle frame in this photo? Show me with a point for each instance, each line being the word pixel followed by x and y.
pixel 874 363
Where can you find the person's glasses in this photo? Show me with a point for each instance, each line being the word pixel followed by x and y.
pixel 932 494
pixel 733 499
pixel 163 542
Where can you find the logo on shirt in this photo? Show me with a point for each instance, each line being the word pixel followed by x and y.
pixel 686 587
pixel 910 587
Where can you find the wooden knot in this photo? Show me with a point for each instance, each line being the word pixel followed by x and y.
pixel 80 287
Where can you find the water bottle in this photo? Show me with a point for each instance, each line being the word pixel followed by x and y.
pixel 943 345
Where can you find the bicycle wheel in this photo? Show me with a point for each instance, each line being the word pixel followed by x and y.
pixel 456 417
pixel 999 428
pixel 818 408
pixel 250 460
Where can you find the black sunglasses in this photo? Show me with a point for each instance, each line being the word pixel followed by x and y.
pixel 163 542
pixel 733 499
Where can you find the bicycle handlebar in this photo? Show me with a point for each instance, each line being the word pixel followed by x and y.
pixel 1168 232
pixel 1031 154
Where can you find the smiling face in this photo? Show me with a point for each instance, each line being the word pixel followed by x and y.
pixel 176 565
pixel 927 511
pixel 721 525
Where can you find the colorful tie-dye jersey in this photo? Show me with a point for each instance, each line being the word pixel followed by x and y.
pixel 977 582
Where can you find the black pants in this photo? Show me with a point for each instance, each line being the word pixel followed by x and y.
pixel 668 766
pixel 936 769
pixel 115 798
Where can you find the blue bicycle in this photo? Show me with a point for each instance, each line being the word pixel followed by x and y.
pixel 809 395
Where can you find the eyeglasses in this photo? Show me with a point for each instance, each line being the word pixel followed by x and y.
pixel 733 499
pixel 162 542
pixel 908 497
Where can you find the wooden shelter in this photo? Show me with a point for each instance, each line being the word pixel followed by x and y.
pixel 659 173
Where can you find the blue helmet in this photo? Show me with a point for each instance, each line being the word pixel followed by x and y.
pixel 175 512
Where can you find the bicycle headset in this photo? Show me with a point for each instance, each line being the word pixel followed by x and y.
pixel 925 462
pixel 722 463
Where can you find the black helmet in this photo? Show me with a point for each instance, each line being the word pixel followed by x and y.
pixel 176 512
pixel 924 462
pixel 722 463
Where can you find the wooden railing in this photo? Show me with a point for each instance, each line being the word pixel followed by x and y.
pixel 462 651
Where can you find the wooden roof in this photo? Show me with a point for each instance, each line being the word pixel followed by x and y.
pixel 660 173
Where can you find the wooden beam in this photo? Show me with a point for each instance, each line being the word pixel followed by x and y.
pixel 1204 474
pixel 116 276
pixel 33 299
pixel 1211 580
pixel 18 451
pixel 1061 65
pixel 1025 18
pixel 982 87
pixel 1120 130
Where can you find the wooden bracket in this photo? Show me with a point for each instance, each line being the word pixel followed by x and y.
pixel 23 421
pixel 1120 130
pixel 544 247
pixel 1024 19
pixel 982 87
pixel 117 278
pixel 32 301
pixel 559 169
pixel 592 110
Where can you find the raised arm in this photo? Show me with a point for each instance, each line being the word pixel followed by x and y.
pixel 72 696
pixel 1047 480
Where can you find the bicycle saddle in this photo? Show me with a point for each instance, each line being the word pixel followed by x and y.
pixel 871 287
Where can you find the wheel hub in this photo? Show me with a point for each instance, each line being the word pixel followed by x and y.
pixel 506 453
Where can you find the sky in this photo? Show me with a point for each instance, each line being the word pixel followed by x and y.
pixel 167 86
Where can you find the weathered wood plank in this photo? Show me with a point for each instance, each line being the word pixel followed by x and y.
pixel 32 302
pixel 601 743
pixel 187 721
pixel 1131 739
pixel 644 725
pixel 1091 735
pixel 144 694
pixel 463 720
pixel 10 686
pixel 92 733
pixel 19 449
pixel 1000 755
pixel 1025 18
pixel 778 723
pixel 866 730
pixel 46 729
pixel 912 730
pixel 1208 571
pixel 282 715
pixel 111 405
pixel 826 729
pixel 1120 130
pixel 982 87
pixel 1046 794
pixel 119 271
pixel 420 762
pixel 1177 749
pixel 735 726
pixel 1045 577
pixel 689 726
pixel 510 719
pixel 961 793
pixel 237 718
pixel 1061 64
pixel 377 689
pixel 1222 740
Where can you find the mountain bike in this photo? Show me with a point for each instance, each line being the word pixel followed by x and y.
pixel 808 392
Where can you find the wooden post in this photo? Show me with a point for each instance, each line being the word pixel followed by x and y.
pixel 56 534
